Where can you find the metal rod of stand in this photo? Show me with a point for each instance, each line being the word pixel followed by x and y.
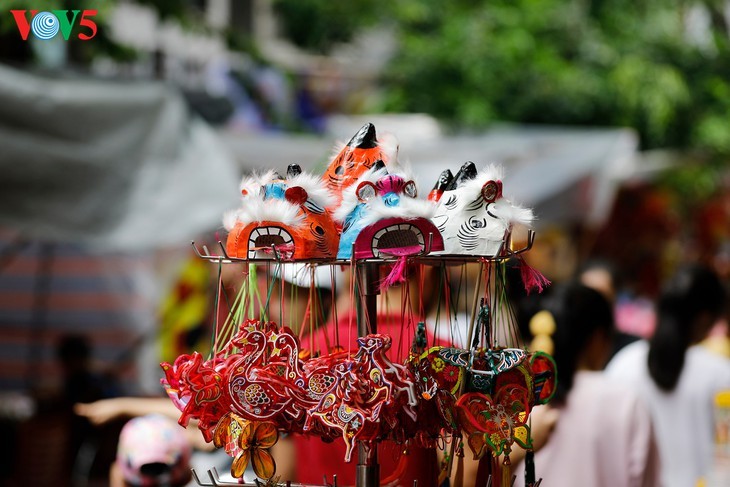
pixel 474 304
pixel 368 469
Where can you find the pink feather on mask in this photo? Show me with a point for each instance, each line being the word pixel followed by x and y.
pixel 396 275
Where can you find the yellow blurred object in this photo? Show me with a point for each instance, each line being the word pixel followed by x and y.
pixel 722 425
pixel 542 323
pixel 542 326
pixel 718 344
pixel 722 399
pixel 185 311
pixel 719 474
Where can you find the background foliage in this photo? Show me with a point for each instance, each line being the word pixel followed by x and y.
pixel 589 62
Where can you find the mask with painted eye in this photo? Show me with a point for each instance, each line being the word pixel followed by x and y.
pixel 366 191
pixel 319 235
pixel 492 191
pixel 409 189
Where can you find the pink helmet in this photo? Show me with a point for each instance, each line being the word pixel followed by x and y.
pixel 153 451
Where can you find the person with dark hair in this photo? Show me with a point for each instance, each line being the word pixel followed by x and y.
pixel 80 382
pixel 596 432
pixel 604 277
pixel 676 376
pixel 601 275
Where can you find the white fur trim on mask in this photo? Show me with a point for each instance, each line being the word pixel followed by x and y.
pixel 408 209
pixel 229 219
pixel 259 210
pixel 508 212
pixel 349 195
pixel 388 145
pixel 315 188
pixel 253 182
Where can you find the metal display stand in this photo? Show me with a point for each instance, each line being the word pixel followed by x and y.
pixel 368 468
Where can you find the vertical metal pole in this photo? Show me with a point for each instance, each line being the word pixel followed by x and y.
pixel 474 304
pixel 368 469
pixel 368 273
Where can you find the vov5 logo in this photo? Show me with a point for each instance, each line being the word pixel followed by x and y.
pixel 46 25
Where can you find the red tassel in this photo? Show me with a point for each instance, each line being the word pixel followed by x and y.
pixel 397 274
pixel 532 279
pixel 484 470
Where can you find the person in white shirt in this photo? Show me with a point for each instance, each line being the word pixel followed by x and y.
pixel 676 377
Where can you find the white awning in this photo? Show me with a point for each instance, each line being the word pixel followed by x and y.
pixel 112 165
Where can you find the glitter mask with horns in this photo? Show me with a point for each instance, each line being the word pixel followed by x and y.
pixel 473 215
pixel 381 216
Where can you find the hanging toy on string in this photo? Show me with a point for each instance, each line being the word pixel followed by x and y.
pixel 258 378
pixel 283 218
pixel 247 441
pixel 472 214
pixel 198 389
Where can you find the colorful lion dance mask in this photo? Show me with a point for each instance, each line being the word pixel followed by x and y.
pixel 357 157
pixel 380 215
pixel 472 213
pixel 287 216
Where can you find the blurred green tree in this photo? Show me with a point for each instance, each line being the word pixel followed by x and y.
pixel 642 64
pixel 319 25
pixel 599 62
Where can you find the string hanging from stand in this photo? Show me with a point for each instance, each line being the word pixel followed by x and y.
pixel 504 318
pixel 270 282
pixel 216 329
pixel 282 288
pixel 351 292
pixel 452 305
pixel 309 314
pixel 488 334
pixel 406 317
pixel 421 281
pixel 245 297
pixel 441 296
pixel 335 318
pixel 315 306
